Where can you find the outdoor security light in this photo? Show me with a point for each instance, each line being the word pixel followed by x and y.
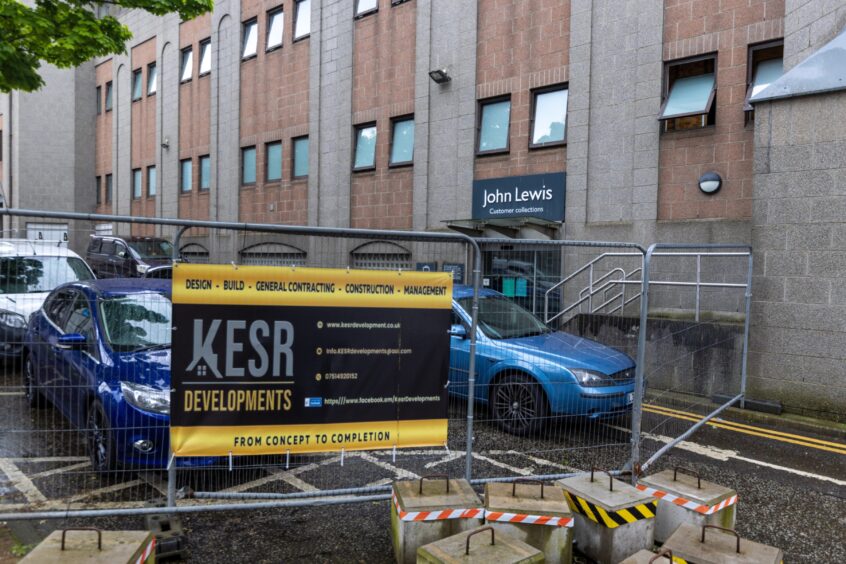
pixel 710 182
pixel 440 76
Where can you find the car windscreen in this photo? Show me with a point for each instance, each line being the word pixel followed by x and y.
pixel 500 318
pixel 152 248
pixel 135 322
pixel 23 275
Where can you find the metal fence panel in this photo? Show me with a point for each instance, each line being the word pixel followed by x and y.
pixel 549 399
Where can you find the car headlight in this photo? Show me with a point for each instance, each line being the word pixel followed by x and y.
pixel 12 319
pixel 591 378
pixel 142 268
pixel 146 397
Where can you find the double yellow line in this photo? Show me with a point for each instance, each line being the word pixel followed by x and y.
pixel 828 446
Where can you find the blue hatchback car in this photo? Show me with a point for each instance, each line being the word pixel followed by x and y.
pixel 527 372
pixel 99 350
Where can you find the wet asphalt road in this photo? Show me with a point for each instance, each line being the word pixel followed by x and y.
pixel 791 495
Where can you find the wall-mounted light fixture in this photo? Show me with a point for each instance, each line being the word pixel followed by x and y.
pixel 166 143
pixel 710 182
pixel 440 76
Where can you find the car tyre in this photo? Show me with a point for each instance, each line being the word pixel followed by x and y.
pixel 33 395
pixel 518 404
pixel 99 441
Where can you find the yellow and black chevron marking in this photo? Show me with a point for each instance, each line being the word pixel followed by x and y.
pixel 611 519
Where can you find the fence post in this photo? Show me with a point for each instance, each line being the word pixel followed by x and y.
pixel 746 323
pixel 471 376
pixel 637 400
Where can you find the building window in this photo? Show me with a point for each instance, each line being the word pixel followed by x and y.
pixel 549 117
pixel 205 57
pixel 187 65
pixel 136 183
pixel 273 254
pixel 402 141
pixel 689 91
pixel 275 28
pixel 205 173
pixel 248 165
pixel 152 79
pixel 302 19
pixel 273 160
pixel 109 185
pixel 185 173
pixel 137 85
pixel 494 118
pixel 99 100
pixel 765 65
pixel 300 168
pixel 99 196
pixel 151 181
pixel 365 7
pixel 109 96
pixel 249 43
pixel 365 147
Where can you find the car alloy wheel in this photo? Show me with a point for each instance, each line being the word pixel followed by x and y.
pixel 519 405
pixel 99 440
pixel 33 396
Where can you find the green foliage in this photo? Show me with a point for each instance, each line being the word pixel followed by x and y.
pixel 66 33
pixel 20 550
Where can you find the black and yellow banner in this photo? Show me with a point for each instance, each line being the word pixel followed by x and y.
pixel 611 519
pixel 278 359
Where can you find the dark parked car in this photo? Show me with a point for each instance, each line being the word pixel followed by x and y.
pixel 528 372
pixel 130 257
pixel 100 352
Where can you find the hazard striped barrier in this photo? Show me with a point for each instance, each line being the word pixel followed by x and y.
pixel 611 519
pixel 503 517
pixel 149 551
pixel 439 515
pixel 686 503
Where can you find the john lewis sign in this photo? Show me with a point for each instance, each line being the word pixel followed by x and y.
pixel 535 195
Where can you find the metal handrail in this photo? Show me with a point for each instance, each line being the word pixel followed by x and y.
pixel 593 288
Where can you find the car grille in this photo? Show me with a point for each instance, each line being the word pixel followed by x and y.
pixel 624 375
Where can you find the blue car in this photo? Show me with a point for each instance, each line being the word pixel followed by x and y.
pixel 527 372
pixel 99 350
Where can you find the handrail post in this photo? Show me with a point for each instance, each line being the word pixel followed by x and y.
pixel 590 291
pixel 746 323
pixel 698 282
pixel 471 376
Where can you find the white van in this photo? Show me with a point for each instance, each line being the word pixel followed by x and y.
pixel 29 270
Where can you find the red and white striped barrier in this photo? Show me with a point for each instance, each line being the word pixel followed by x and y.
pixel 686 503
pixel 528 519
pixel 151 548
pixel 471 513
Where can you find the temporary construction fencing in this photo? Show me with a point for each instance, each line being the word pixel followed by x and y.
pixel 547 403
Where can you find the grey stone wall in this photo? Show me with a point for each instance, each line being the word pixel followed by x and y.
pixel 808 25
pixel 798 342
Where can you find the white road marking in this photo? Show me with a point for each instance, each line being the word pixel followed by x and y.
pixel 398 472
pixel 11 393
pixel 61 470
pixel 521 471
pixel 21 482
pixel 107 489
pixel 153 479
pixel 448 458
pixel 48 459
pixel 724 454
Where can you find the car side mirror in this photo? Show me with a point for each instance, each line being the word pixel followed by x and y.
pixel 458 330
pixel 72 341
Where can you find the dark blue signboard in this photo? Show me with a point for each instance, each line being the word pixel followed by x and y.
pixel 534 195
